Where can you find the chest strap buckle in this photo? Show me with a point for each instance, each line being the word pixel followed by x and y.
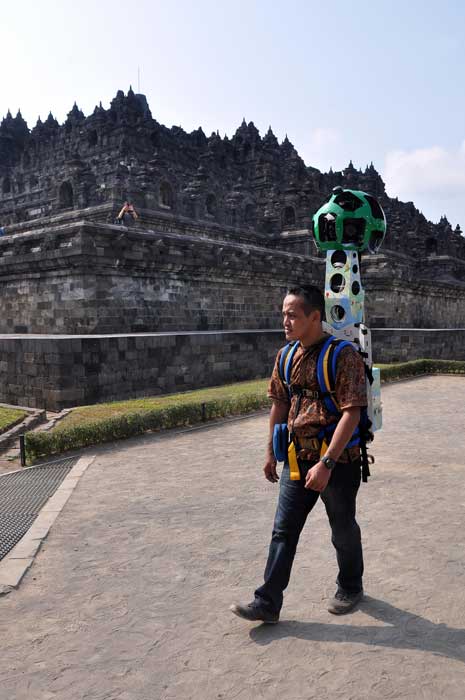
pixel 297 390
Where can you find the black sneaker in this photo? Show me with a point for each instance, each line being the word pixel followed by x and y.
pixel 255 612
pixel 343 603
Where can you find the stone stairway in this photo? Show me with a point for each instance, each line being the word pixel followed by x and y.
pixel 36 420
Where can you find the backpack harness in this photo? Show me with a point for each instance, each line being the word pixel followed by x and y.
pixel 284 444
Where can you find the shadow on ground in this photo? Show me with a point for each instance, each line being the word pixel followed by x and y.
pixel 403 630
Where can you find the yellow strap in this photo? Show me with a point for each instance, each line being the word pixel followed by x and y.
pixel 292 459
pixel 326 376
pixel 324 447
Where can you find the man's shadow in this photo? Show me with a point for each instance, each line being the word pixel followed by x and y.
pixel 403 630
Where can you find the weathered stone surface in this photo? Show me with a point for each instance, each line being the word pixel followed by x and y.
pixel 149 281
pixel 402 344
pixel 143 281
pixel 148 365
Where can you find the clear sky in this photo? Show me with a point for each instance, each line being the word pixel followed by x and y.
pixel 379 81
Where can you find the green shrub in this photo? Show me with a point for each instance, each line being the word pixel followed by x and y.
pixel 413 368
pixel 42 444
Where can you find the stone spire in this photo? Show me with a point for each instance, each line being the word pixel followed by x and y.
pixel 99 112
pixel 20 129
pixel 241 130
pixel 75 115
pixel 270 139
pixel 198 137
pixel 51 122
pixel 7 122
pixel 287 147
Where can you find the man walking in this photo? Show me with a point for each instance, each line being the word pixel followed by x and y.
pixel 335 475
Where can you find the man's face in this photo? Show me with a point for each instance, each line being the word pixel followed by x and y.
pixel 297 325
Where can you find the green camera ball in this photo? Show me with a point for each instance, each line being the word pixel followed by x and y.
pixel 349 220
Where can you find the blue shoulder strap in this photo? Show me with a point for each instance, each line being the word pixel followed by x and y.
pixel 324 375
pixel 282 360
pixel 337 350
pixel 285 362
pixel 288 365
pixel 320 374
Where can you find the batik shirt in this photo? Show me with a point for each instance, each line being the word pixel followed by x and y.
pixel 350 391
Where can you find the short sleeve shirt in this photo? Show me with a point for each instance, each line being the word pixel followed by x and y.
pixel 350 390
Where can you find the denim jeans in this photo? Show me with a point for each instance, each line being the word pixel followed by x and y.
pixel 294 504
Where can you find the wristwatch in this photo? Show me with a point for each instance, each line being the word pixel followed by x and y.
pixel 328 462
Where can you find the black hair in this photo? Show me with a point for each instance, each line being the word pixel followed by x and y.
pixel 312 298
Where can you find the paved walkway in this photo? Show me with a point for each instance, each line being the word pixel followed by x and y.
pixel 128 598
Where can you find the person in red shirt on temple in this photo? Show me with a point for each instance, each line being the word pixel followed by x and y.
pixel 127 210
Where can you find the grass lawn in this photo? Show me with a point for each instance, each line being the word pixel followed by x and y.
pixel 102 411
pixel 8 416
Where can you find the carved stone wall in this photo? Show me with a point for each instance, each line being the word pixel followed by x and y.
pixel 98 278
pixel 86 277
pixel 63 372
pixel 402 344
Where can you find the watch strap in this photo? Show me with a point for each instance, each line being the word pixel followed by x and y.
pixel 328 462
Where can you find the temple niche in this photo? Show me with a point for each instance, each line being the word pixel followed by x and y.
pixel 66 196
pixel 166 195
pixel 288 217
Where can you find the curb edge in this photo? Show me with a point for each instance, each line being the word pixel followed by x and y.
pixel 17 562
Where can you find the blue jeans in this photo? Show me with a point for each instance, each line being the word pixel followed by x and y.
pixel 295 503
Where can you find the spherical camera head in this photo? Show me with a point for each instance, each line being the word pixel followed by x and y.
pixel 349 220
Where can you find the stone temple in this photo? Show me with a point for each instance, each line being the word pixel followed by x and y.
pixel 189 293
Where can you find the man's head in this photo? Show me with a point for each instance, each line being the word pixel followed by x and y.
pixel 303 312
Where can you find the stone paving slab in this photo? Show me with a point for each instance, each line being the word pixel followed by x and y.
pixel 128 597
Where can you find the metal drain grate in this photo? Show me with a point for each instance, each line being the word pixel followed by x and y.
pixel 23 494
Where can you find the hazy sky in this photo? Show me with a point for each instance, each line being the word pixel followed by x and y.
pixel 379 81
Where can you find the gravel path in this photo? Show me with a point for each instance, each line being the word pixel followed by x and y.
pixel 128 598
